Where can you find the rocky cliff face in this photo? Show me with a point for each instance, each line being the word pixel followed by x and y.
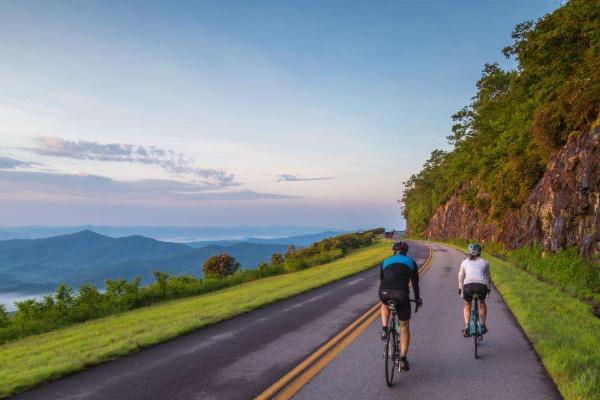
pixel 563 209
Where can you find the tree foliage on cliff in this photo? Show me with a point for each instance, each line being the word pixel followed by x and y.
pixel 503 140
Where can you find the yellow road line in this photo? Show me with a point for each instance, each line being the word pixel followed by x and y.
pixel 292 382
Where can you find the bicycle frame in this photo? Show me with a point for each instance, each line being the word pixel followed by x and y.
pixel 475 324
pixel 394 325
pixel 393 320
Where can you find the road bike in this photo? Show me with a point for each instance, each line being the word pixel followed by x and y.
pixel 475 324
pixel 392 344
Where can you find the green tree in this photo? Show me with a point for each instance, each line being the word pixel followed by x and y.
pixel 277 259
pixel 220 266
pixel 89 296
pixel 291 251
pixel 503 140
pixel 161 280
pixel 63 297
pixel 4 319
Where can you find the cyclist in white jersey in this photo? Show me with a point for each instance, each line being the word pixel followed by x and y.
pixel 474 278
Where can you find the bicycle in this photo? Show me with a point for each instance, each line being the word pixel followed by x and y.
pixel 392 344
pixel 475 324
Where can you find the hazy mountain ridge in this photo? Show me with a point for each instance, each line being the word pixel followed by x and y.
pixel 31 265
pixel 84 248
pixel 164 233
pixel 301 240
pixel 248 254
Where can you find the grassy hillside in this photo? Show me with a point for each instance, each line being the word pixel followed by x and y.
pixel 562 329
pixel 48 356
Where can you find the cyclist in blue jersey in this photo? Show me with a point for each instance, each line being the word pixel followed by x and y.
pixel 395 275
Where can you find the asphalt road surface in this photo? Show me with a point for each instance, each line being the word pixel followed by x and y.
pixel 238 358
pixel 442 362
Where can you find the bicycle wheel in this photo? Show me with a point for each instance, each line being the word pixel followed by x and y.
pixel 390 357
pixel 476 333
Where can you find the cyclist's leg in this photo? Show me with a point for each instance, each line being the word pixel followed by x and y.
pixel 482 292
pixel 404 337
pixel 384 309
pixel 482 311
pixel 467 311
pixel 385 314
pixel 467 297
pixel 404 316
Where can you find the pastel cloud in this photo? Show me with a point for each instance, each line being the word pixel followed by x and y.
pixel 11 163
pixel 175 163
pixel 295 178
pixel 44 185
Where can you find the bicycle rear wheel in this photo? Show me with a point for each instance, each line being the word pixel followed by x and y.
pixel 476 334
pixel 390 357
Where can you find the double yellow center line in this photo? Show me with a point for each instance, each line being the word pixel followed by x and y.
pixel 292 382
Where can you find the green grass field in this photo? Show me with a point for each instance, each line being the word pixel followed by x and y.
pixel 563 330
pixel 36 359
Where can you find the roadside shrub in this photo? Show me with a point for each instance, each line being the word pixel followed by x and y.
pixel 220 266
pixel 566 269
pixel 277 259
pixel 495 249
pixel 3 316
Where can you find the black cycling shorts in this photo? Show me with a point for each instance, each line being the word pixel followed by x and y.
pixel 401 299
pixel 474 288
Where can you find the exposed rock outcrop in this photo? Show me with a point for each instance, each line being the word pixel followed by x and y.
pixel 563 209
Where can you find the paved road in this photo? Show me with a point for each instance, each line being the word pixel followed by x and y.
pixel 236 359
pixel 442 364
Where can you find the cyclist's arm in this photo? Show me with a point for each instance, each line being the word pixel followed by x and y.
pixel 461 276
pixel 415 281
pixel 381 273
pixel 488 275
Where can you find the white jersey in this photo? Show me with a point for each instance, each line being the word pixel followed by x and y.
pixel 474 271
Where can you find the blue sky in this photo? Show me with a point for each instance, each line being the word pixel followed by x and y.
pixel 227 113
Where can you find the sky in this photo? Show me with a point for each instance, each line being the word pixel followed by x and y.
pixel 223 113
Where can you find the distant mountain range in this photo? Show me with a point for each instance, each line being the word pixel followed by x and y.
pixel 39 265
pixel 298 241
pixel 165 233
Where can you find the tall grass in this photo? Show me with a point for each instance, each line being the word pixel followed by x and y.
pixel 566 269
pixel 563 331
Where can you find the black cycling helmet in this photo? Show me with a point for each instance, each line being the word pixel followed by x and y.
pixel 400 247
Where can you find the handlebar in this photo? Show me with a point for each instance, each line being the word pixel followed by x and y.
pixel 392 303
pixel 416 305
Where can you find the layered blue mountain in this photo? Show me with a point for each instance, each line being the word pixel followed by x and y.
pixel 165 233
pixel 34 265
pixel 298 241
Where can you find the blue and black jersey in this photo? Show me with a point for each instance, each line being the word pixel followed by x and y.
pixel 397 272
